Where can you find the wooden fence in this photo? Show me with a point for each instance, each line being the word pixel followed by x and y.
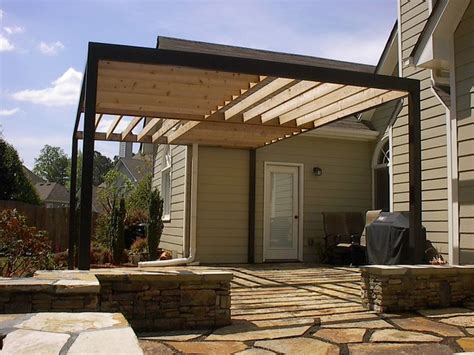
pixel 55 221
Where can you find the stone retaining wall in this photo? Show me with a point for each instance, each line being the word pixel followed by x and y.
pixel 405 288
pixel 149 300
pixel 181 301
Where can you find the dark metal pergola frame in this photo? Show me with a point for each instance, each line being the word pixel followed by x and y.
pixel 139 55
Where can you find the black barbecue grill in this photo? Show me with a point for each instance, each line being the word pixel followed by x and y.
pixel 388 240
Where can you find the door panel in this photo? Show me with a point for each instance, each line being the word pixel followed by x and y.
pixel 281 212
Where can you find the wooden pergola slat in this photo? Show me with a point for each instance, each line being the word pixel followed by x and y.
pixel 133 123
pixel 113 125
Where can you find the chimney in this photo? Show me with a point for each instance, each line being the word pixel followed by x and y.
pixel 125 150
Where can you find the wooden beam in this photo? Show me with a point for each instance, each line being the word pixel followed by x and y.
pixel 149 112
pixel 326 99
pixel 299 101
pixel 149 127
pixel 117 137
pixel 113 125
pixel 375 101
pixel 165 127
pixel 280 98
pixel 181 130
pixel 133 123
pixel 98 117
pixel 257 96
pixel 339 105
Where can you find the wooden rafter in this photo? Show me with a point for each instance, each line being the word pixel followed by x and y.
pixel 128 130
pixel 278 99
pixel 98 117
pixel 339 105
pixel 359 107
pixel 327 97
pixel 300 100
pixel 149 128
pixel 165 127
pixel 259 95
pixel 113 125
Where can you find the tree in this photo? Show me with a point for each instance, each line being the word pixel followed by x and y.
pixel 14 185
pixel 102 165
pixel 52 164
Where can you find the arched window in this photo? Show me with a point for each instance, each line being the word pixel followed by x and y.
pixel 381 164
pixel 166 165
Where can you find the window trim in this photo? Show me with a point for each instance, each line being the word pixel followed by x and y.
pixel 166 168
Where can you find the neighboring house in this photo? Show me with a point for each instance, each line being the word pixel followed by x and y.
pixel 34 179
pixel 362 168
pixel 133 166
pixel 52 194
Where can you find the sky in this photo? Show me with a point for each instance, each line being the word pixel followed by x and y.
pixel 43 45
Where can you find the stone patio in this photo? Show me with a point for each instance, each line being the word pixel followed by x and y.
pixel 308 309
pixel 67 333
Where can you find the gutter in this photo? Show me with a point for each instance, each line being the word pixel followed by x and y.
pixel 193 218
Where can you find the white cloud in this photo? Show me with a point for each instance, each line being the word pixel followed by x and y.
pixel 9 112
pixel 1 13
pixel 106 121
pixel 5 44
pixel 14 29
pixel 50 48
pixel 64 91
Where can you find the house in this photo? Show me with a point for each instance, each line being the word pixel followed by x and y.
pixel 52 194
pixel 351 165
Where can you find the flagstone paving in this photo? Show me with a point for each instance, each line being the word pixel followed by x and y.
pixel 67 333
pixel 302 308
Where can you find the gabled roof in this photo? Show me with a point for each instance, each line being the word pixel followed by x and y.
pixel 34 179
pixel 432 47
pixel 52 192
pixel 138 167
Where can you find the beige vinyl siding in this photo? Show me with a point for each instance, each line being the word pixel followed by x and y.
pixel 172 237
pixel 414 14
pixel 345 185
pixel 222 207
pixel 464 75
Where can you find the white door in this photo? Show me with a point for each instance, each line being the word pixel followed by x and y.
pixel 281 212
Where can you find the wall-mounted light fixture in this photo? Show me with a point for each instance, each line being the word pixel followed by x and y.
pixel 317 171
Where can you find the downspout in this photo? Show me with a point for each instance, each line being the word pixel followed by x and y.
pixel 193 219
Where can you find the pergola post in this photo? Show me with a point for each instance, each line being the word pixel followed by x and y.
pixel 251 207
pixel 88 160
pixel 72 205
pixel 414 139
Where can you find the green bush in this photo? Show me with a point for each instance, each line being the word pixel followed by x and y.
pixel 14 185
pixel 155 224
pixel 23 249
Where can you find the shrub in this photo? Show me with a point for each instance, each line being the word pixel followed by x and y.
pixel 155 224
pixel 118 241
pixel 139 247
pixel 100 254
pixel 23 249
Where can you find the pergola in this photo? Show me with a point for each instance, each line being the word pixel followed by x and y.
pixel 185 92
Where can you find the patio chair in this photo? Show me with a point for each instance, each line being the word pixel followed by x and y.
pixel 342 233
